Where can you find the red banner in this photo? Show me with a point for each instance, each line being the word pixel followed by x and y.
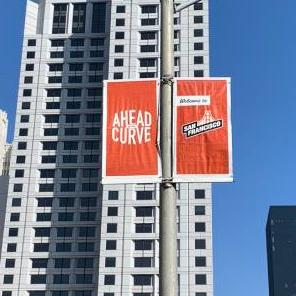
pixel 130 152
pixel 202 130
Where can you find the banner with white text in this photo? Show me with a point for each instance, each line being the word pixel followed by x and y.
pixel 130 132
pixel 202 130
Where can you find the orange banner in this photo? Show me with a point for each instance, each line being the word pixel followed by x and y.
pixel 202 130
pixel 130 132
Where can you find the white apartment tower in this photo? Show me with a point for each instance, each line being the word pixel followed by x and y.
pixel 65 234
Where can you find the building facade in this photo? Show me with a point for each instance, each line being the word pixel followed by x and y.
pixel 65 234
pixel 281 244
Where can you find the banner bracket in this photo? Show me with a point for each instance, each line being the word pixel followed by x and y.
pixel 167 79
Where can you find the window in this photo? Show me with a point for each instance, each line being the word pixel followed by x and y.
pixel 200 227
pixel 31 55
pixel 95 66
pixel 84 262
pixel 55 79
pixel 76 67
pixel 62 263
pixel 83 293
pixel 200 210
pixel 47 173
pixel 73 105
pixel 144 195
pixel 28 79
pixel 8 279
pixel 88 202
pixel 29 67
pixel 20 159
pixel 143 280
pixel 198 6
pixel 36 293
pixel 77 42
pixel 59 18
pixel 120 9
pixel 43 217
pixel 17 187
pixel 200 244
pixel 198 73
pixel 41 247
pixel 31 42
pixel 143 262
pixel 39 263
pixel 119 35
pixel 148 62
pixel 98 17
pixel 144 212
pixel 64 232
pixel 87 231
pixel 118 62
pixel 109 279
pixel 76 54
pixel 57 42
pixel 66 216
pixel 27 92
pixel 147 75
pixel 16 202
pixel 149 22
pixel 112 195
pixel 42 232
pixel 22 145
pixel 38 279
pixel 90 173
pixel 57 55
pixel 97 42
pixel 198 60
pixel 110 262
pixel 111 244
pixel 53 105
pixel 148 35
pixel 112 211
pixel 144 227
pixel 71 145
pixel 66 201
pixel 71 131
pixel 48 159
pixel 63 247
pixel 148 8
pixel 69 173
pixel 55 67
pixel 91 158
pixel 95 92
pixel 54 92
pixel 69 158
pixel 72 118
pixel 86 247
pixel 11 247
pixel 87 187
pixel 141 245
pixel 200 261
pixel 120 22
pixel 79 15
pixel 61 279
pixel 26 105
pixel 74 92
pixel 84 278
pixel 198 46
pixel 118 75
pixel 91 145
pixel 148 48
pixel 14 216
pixel 23 132
pixel 88 216
pixel 44 202
pixel 10 263
pixel 19 173
pixel 13 232
pixel 60 293
pixel 198 19
pixel 200 279
pixel 199 194
pixel 96 53
pixel 198 32
pixel 49 145
pixel 111 227
pixel 51 132
pixel 119 48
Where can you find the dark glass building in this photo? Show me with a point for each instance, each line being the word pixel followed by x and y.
pixel 281 250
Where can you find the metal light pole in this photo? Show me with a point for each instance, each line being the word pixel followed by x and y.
pixel 168 233
pixel 168 223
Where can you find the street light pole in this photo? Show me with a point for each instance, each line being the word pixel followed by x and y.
pixel 168 234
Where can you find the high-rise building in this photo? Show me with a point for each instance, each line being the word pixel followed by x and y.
pixel 281 245
pixel 5 150
pixel 65 234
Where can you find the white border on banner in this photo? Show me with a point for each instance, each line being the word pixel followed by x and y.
pixel 144 179
pixel 203 178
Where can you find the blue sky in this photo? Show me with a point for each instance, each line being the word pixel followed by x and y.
pixel 253 42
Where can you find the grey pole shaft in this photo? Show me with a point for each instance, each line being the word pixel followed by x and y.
pixel 168 237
